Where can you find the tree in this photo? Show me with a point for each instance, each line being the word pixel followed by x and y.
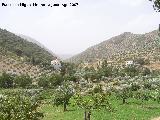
pixel 70 78
pixel 142 94
pixel 105 69
pixel 23 81
pixel 43 81
pixel 6 80
pixel 131 71
pixel 63 95
pixel 124 94
pixel 156 5
pixel 19 52
pixel 91 101
pixel 140 61
pixel 67 68
pixel 146 71
pixel 16 106
pixel 55 80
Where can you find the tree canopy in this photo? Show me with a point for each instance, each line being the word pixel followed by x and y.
pixel 156 5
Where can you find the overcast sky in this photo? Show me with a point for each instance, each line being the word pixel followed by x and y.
pixel 71 30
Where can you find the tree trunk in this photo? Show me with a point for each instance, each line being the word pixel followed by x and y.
pixel 89 115
pixel 124 101
pixel 85 115
pixel 64 106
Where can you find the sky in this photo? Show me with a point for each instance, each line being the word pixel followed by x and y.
pixel 72 29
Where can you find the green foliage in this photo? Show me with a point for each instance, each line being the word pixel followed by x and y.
pixel 23 81
pixel 55 80
pixel 6 80
pixel 63 95
pixel 98 89
pixel 146 71
pixel 124 94
pixel 91 101
pixel 140 61
pixel 105 70
pixel 135 87
pixel 16 106
pixel 70 78
pixel 43 81
pixel 131 71
pixel 67 68
pixel 17 45
pixel 143 95
pixel 147 85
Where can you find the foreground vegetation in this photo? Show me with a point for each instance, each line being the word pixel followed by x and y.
pixel 133 109
pixel 130 111
pixel 82 93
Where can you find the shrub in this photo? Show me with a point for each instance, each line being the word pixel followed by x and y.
pixel 15 106
pixel 23 81
pixel 6 80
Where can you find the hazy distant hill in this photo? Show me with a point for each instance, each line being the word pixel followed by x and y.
pixel 123 47
pixel 64 56
pixel 36 42
pixel 19 56
pixel 22 47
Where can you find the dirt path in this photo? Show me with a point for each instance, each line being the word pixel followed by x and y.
pixel 158 118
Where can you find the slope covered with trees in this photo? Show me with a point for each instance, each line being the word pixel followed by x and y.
pixel 126 46
pixel 20 57
pixel 21 47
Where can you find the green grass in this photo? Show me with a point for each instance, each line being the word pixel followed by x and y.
pixel 133 110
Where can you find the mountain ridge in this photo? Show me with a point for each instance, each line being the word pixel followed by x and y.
pixel 19 56
pixel 118 46
pixel 30 39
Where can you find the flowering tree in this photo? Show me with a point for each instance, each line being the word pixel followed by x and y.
pixel 16 106
pixel 63 95
pixel 91 101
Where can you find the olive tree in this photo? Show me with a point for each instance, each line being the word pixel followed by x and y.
pixel 124 94
pixel 6 80
pixel 23 81
pixel 91 101
pixel 156 5
pixel 63 95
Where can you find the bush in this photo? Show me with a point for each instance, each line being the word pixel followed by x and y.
pixel 43 81
pixel 15 106
pixel 6 80
pixel 23 81
pixel 98 89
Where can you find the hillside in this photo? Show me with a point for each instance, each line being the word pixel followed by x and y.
pixel 123 47
pixel 19 56
pixel 29 39
pixel 23 48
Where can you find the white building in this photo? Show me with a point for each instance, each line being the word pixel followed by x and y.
pixel 56 64
pixel 129 63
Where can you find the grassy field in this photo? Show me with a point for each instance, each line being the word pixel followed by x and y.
pixel 133 110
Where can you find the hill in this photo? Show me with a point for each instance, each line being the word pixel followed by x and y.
pixel 24 48
pixel 123 47
pixel 19 56
pixel 29 39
